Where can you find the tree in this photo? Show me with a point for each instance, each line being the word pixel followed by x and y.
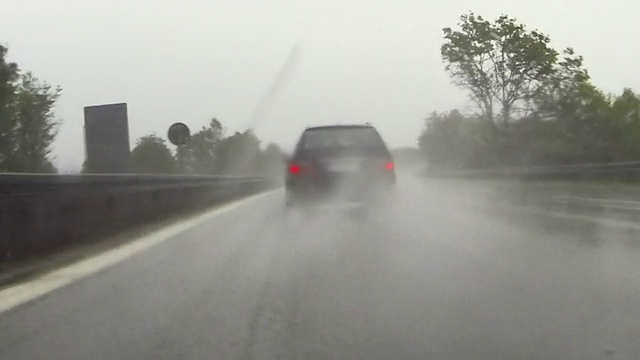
pixel 8 83
pixel 272 161
pixel 626 110
pixel 198 156
pixel 549 111
pixel 28 126
pixel 562 88
pixel 36 126
pixel 500 63
pixel 152 156
pixel 210 152
pixel 239 154
pixel 451 139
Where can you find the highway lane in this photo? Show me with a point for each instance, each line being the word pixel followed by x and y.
pixel 445 272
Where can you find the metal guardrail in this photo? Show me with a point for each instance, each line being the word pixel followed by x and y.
pixel 50 182
pixel 40 213
pixel 604 171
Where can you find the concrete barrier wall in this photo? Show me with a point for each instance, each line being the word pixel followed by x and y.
pixel 42 213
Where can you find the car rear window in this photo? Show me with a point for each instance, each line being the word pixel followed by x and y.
pixel 341 137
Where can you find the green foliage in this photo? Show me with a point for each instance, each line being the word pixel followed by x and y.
pixel 562 87
pixel 28 126
pixel 199 156
pixel 152 156
pixel 550 113
pixel 591 128
pixel 626 110
pixel 8 82
pixel 36 126
pixel 272 161
pixel 239 154
pixel 454 140
pixel 500 63
pixel 210 152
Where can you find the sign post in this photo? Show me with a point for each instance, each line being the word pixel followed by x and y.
pixel 179 135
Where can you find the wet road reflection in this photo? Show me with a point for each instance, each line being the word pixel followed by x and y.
pixel 447 270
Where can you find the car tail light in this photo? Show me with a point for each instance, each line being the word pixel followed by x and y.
pixel 389 165
pixel 298 168
pixel 294 169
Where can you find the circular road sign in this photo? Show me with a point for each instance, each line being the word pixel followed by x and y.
pixel 178 134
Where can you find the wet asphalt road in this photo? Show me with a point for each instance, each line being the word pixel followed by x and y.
pixel 447 271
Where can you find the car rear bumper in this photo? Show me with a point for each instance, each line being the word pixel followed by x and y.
pixel 350 189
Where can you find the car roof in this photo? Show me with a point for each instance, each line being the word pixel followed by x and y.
pixel 347 126
pixel 366 126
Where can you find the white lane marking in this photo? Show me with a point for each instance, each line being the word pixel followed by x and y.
pixel 19 294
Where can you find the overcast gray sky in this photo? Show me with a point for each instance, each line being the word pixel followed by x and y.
pixel 356 60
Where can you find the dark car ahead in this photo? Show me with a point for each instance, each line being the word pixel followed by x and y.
pixel 349 162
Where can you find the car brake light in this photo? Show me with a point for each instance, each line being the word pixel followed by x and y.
pixel 297 169
pixel 389 165
pixel 294 169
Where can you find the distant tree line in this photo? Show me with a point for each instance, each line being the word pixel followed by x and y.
pixel 533 104
pixel 209 152
pixel 407 157
pixel 28 126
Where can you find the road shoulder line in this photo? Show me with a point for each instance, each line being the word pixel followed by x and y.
pixel 22 293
